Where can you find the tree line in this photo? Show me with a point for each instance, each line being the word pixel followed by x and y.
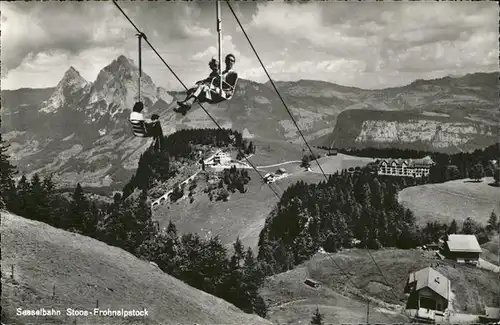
pixel 435 230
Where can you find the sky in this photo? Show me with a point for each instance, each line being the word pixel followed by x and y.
pixel 370 45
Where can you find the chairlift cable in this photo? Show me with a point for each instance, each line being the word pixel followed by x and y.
pixel 180 81
pixel 296 125
pixel 276 89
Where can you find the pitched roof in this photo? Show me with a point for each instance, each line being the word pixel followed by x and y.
pixel 432 279
pixel 463 243
pixel 422 162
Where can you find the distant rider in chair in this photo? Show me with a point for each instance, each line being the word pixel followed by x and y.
pixel 152 126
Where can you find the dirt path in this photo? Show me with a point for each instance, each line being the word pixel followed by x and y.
pixel 283 163
pixel 288 303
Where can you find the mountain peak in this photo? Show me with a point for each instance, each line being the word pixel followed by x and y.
pixel 72 74
pixel 122 63
pixel 71 83
pixel 122 59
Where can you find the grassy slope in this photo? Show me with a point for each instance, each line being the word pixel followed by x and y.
pixel 333 164
pixel 457 200
pixel 335 297
pixel 244 214
pixel 269 152
pixel 84 270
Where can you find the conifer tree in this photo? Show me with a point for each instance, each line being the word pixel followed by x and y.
pixel 75 217
pixel 317 318
pixel 306 161
pixel 23 195
pixel 453 228
pixel 36 206
pixel 7 172
pixel 493 221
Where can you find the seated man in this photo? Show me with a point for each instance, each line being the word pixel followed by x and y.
pixel 145 127
pixel 204 92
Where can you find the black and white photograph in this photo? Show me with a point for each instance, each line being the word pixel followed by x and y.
pixel 224 162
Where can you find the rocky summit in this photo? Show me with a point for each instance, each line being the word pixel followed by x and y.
pixel 79 130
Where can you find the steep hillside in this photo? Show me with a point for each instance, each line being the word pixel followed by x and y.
pixel 243 215
pixel 410 130
pixel 338 300
pixel 79 130
pixel 457 200
pixel 84 270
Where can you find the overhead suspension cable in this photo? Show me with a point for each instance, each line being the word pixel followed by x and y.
pixel 301 134
pixel 276 89
pixel 183 85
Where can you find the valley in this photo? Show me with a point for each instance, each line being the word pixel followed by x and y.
pixel 87 140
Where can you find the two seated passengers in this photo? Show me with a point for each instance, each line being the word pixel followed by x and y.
pixel 206 90
pixel 209 90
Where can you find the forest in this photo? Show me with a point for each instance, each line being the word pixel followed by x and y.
pixel 349 210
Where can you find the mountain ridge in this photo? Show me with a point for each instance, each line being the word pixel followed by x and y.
pixel 90 119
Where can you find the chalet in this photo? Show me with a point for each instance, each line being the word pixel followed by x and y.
pixel 332 153
pixel 429 293
pixel 416 168
pixel 219 158
pixel 462 248
pixel 491 315
pixel 311 283
pixel 281 171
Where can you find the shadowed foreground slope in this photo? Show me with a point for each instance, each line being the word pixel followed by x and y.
pixel 84 270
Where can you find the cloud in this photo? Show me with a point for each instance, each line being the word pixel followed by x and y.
pixel 340 71
pixel 417 37
pixel 363 44
pixel 30 28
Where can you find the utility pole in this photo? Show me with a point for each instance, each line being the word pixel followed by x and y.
pixel 368 312
pixel 219 40
pixel 498 252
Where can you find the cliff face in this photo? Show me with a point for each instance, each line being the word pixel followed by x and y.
pixel 409 130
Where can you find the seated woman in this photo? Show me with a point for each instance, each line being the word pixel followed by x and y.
pixel 214 67
pixel 206 92
pixel 145 127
